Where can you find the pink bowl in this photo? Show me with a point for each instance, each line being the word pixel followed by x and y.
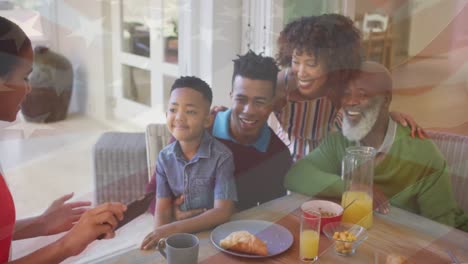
pixel 324 205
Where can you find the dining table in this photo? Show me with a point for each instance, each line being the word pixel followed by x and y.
pixel 401 233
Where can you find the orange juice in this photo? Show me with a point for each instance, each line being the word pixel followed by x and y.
pixel 309 242
pixel 360 212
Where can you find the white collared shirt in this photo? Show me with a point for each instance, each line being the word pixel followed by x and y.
pixel 388 139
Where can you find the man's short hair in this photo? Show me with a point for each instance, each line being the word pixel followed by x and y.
pixel 377 74
pixel 196 84
pixel 256 67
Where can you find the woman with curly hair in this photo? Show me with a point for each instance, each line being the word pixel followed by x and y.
pixel 318 55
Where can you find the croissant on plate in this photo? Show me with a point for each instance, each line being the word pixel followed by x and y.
pixel 397 259
pixel 244 242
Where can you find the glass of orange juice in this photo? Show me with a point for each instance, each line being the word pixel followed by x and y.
pixel 309 236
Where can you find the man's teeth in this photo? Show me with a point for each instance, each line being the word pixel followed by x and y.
pixel 248 121
pixel 353 113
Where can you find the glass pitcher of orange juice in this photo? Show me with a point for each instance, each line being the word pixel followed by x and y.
pixel 358 175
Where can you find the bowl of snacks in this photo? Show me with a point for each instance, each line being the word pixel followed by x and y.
pixel 346 236
pixel 329 211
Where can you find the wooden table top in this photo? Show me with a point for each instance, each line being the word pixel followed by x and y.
pixel 400 232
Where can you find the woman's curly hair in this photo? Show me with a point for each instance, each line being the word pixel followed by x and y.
pixel 331 38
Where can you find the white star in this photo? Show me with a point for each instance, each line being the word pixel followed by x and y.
pixel 205 34
pixel 151 22
pixel 48 3
pixel 27 22
pixel 112 2
pixel 29 128
pixel 280 9
pixel 231 12
pixel 29 25
pixel 144 65
pixel 88 29
pixel 115 83
pixel 3 87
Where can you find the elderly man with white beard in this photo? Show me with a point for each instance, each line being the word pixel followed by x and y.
pixel 409 173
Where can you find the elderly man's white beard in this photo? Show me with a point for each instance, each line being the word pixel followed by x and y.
pixel 367 122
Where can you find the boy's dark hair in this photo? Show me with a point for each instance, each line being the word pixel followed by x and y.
pixel 256 67
pixel 196 84
pixel 13 43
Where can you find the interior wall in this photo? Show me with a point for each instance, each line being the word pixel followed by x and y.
pixel 428 20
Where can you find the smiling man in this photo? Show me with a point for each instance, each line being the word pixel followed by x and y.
pixel 261 159
pixel 410 172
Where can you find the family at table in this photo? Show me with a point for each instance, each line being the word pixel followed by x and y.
pixel 223 160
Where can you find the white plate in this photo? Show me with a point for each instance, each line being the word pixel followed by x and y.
pixel 277 238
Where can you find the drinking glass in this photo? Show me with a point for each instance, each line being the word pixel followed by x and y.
pixel 309 236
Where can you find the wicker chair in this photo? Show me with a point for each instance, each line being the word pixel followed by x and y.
pixel 120 167
pixel 455 150
pixel 157 137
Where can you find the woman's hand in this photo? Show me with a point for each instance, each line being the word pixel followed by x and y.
pixel 404 120
pixel 93 223
pixel 61 216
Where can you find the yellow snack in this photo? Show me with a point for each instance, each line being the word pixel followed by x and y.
pixel 344 243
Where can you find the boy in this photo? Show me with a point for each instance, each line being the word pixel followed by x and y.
pixel 195 165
